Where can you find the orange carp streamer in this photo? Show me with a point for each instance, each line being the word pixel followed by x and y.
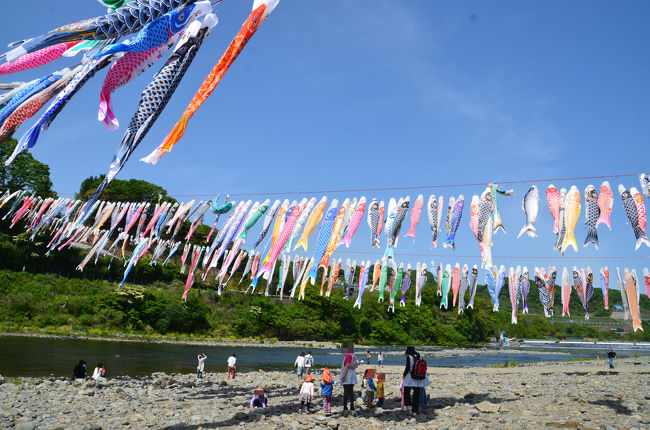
pixel 250 26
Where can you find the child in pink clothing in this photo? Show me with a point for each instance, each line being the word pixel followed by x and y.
pixel 306 394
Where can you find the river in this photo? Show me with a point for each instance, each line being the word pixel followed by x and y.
pixel 34 356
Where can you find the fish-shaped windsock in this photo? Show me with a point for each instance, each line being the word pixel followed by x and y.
pixel 333 240
pixel 334 277
pixel 248 266
pixel 444 288
pixel 486 208
pixel 497 215
pixel 605 205
pixel 543 293
pixel 312 222
pixel 456 215
pixel 122 71
pixel 383 280
pixel 355 220
pixel 28 109
pixel 396 215
pixel 125 20
pixel 364 272
pixel 36 59
pixel 6 97
pixel 450 208
pixel 524 288
pixel 632 294
pixel 252 220
pixel 530 206
pixel 434 212
pixel 566 292
pixel 350 205
pixel 592 213
pixel 266 224
pixel 153 100
pixel 604 285
pixel 324 236
pixel 301 222
pixel 158 32
pixel 416 211
pixel 261 10
pixel 572 214
pixel 644 180
pixel 554 200
pixel 640 208
pixel 406 284
pixel 29 91
pixel 455 283
pixel 390 221
pixel 87 71
pixel 373 223
pixel 637 220
pixel 562 224
pixel 10 85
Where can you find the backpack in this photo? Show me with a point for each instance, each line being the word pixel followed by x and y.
pixel 419 369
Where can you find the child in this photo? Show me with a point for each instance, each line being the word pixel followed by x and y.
pixel 326 390
pixel 380 389
pixel 306 394
pixel 259 399
pixel 370 387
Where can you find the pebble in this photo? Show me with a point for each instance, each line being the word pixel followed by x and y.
pixel 552 395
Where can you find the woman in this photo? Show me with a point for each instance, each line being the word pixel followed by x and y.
pixel 349 377
pixel 412 385
pixel 98 372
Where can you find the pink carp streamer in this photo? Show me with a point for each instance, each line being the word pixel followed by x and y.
pixel 36 59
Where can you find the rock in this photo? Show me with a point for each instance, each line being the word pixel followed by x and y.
pixel 93 427
pixel 487 407
pixel 240 415
pixel 25 426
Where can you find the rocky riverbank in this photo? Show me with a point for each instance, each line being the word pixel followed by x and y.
pixel 544 395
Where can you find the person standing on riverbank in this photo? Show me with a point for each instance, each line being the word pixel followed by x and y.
pixel 415 378
pixel 611 355
pixel 368 356
pixel 326 388
pixel 309 362
pixel 306 395
pixel 380 358
pixel 232 370
pixel 199 369
pixel 299 364
pixel 349 376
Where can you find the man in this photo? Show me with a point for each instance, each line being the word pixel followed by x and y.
pixel 380 358
pixel 368 356
pixel 309 362
pixel 232 360
pixel 199 369
pixel 300 364
pixel 611 355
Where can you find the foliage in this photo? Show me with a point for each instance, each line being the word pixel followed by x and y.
pixel 24 173
pixel 120 190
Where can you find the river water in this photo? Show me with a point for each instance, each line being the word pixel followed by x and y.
pixel 32 356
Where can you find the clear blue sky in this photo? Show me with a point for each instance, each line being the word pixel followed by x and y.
pixel 362 94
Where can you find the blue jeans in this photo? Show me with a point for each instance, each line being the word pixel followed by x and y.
pixel 299 371
pixel 611 362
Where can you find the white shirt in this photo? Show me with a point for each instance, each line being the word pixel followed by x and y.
pixel 410 382
pixel 201 365
pixel 97 373
pixel 309 360
pixel 300 361
pixel 231 361
pixel 351 376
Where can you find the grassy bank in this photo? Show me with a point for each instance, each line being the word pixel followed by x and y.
pixel 53 304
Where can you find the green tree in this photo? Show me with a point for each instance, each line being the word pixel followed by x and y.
pixel 132 190
pixel 25 172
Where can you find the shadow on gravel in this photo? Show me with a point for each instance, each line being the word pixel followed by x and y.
pixel 616 405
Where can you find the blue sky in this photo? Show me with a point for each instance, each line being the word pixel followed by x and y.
pixel 360 94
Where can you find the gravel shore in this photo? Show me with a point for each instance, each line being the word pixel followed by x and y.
pixel 583 395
